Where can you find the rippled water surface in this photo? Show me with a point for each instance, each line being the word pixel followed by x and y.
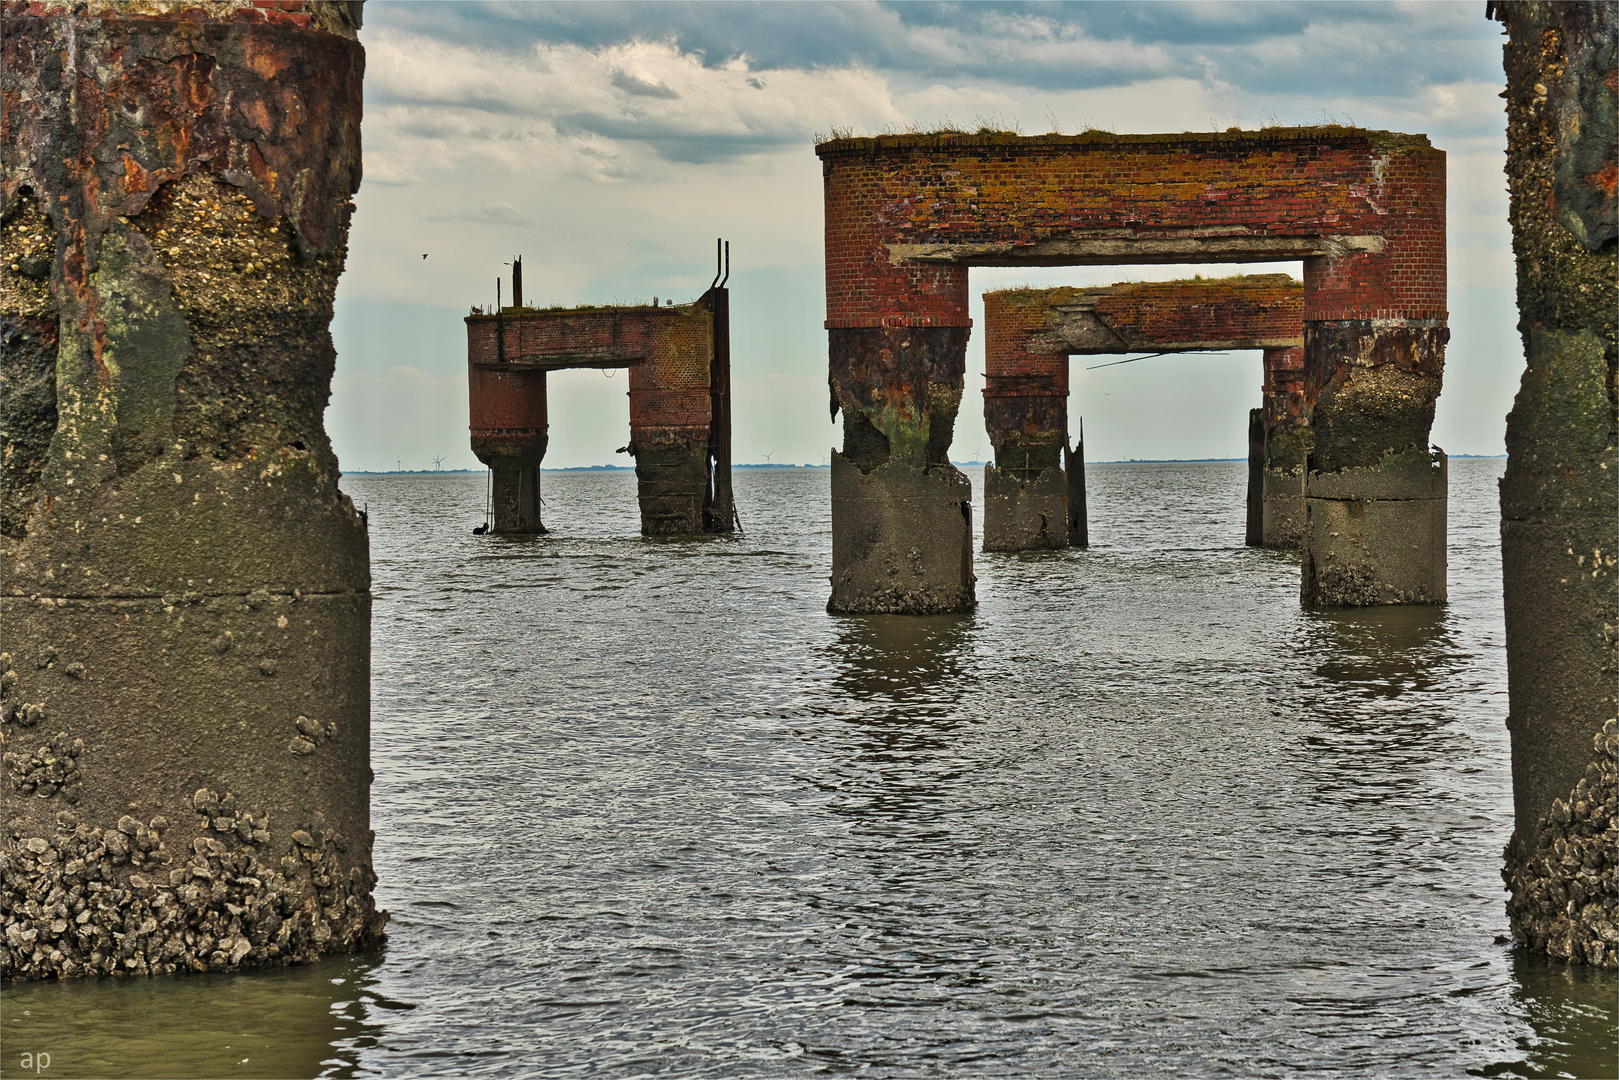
pixel 643 808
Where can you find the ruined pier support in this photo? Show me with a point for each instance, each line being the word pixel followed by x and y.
pixel 678 359
pixel 186 593
pixel 1559 507
pixel 901 513
pixel 1029 335
pixel 1375 493
pixel 906 215
pixel 510 431
pixel 1284 449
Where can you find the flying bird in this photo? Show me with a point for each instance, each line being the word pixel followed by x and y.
pixel 424 256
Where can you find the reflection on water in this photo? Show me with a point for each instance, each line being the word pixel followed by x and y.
pixel 644 808
pixel 915 663
pixel 314 1020
pixel 1382 651
pixel 1571 1013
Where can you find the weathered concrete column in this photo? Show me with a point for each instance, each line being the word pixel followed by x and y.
pixel 901 513
pixel 186 592
pixel 1254 523
pixel 1026 416
pixel 1286 448
pixel 1559 507
pixel 1375 494
pixel 1374 357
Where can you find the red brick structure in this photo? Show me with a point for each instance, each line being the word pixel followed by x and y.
pixel 679 385
pixel 907 215
pixel 1029 335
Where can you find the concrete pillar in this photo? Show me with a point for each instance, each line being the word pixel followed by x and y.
pixel 1375 494
pixel 1026 489
pixel 901 513
pixel 186 592
pixel 1559 507
pixel 672 482
pixel 1253 530
pixel 510 431
pixel 1286 438
pixel 673 420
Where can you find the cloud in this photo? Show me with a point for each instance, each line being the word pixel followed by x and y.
pixel 503 213
pixel 608 112
pixel 1050 46
pixel 610 143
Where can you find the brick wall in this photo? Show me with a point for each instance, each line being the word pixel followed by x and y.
pixel 666 349
pixel 1002 200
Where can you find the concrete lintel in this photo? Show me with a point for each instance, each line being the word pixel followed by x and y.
pixel 1127 247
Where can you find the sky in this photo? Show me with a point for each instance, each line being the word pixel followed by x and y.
pixel 609 144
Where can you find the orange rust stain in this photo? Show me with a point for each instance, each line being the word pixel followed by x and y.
pixel 1605 178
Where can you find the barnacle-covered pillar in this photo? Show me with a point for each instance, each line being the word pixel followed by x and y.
pixel 186 592
pixel 1559 500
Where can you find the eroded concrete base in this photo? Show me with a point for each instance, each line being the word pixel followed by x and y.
pixel 1282 510
pixel 186 782
pixel 672 483
pixel 1025 515
pixel 1282 488
pixel 901 540
pixel 1376 535
pixel 517 493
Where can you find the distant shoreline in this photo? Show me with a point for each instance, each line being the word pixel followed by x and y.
pixel 971 464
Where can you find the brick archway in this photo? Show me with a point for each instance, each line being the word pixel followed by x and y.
pixel 1032 497
pixel 679 365
pixel 907 215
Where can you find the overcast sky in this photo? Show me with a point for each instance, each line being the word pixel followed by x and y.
pixel 609 144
